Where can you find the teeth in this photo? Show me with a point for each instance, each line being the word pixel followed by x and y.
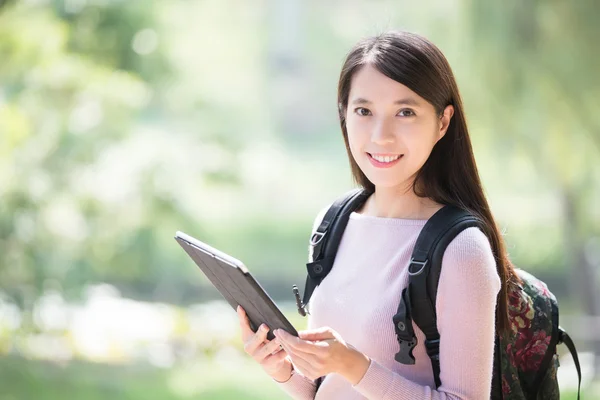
pixel 385 159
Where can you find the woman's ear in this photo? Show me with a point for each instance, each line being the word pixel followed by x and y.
pixel 445 120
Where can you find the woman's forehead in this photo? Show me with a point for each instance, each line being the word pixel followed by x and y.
pixel 371 86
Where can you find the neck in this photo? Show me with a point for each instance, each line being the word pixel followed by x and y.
pixel 402 203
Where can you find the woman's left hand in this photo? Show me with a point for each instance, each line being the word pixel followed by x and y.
pixel 316 353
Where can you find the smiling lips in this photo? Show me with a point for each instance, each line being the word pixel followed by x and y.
pixel 384 160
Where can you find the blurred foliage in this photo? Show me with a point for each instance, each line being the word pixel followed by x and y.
pixel 115 122
pixel 73 89
pixel 540 60
pixel 116 131
pixel 85 381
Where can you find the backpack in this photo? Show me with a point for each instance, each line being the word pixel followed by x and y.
pixel 525 358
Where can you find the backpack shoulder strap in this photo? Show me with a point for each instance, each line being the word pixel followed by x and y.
pixel 419 299
pixel 563 337
pixel 326 240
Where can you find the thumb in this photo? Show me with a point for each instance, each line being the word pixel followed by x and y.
pixel 317 334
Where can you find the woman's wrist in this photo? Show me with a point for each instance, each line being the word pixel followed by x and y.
pixel 356 366
pixel 285 373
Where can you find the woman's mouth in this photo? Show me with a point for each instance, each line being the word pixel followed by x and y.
pixel 384 160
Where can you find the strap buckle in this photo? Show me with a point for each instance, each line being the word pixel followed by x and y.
pixel 405 355
pixel 299 304
pixel 415 262
pixel 404 331
pixel 319 237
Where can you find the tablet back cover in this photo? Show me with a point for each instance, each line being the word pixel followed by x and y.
pixel 239 287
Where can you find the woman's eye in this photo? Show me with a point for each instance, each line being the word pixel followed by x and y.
pixel 363 112
pixel 407 112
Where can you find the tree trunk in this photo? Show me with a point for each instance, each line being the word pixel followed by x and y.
pixel 583 275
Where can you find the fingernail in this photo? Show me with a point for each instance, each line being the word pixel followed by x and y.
pixel 264 328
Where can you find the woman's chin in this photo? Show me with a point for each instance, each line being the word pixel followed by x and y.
pixel 386 183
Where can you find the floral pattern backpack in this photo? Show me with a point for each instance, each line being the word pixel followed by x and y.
pixel 526 362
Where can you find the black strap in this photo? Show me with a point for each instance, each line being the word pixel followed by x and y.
pixel 327 237
pixel 424 272
pixel 566 339
pixel 438 232
pixel 496 392
pixel 326 241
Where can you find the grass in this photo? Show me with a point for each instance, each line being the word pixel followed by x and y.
pixel 22 379
pixel 239 378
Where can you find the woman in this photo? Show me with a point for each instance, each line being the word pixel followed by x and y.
pixel 407 140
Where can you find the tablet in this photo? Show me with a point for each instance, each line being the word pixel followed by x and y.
pixel 235 283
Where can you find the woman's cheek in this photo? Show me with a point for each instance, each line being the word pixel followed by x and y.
pixel 420 153
pixel 356 143
pixel 357 154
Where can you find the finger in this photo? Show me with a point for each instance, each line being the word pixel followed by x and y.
pixel 275 358
pixel 269 348
pixel 286 337
pixel 325 343
pixel 285 344
pixel 305 367
pixel 257 340
pixel 244 324
pixel 300 355
pixel 298 344
pixel 316 334
pixel 283 335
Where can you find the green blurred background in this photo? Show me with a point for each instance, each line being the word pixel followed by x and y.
pixel 122 122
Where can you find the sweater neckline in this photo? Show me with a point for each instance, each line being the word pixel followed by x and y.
pixel 387 221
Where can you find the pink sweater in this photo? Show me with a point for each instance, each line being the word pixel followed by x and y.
pixel 361 294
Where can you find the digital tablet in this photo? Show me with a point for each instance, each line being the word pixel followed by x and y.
pixel 233 280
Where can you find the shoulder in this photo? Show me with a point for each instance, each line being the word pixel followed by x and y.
pixel 469 258
pixel 469 244
pixel 342 199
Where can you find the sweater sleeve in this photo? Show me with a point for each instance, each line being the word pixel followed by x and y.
pixel 466 305
pixel 298 386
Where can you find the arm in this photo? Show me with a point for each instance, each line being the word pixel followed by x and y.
pixel 466 304
pixel 299 387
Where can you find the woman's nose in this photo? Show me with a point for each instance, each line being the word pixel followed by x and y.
pixel 383 133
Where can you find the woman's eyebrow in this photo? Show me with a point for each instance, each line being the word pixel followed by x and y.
pixel 408 101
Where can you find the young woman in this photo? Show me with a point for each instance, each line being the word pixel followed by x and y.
pixel 404 128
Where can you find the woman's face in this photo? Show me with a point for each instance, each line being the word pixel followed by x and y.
pixel 391 129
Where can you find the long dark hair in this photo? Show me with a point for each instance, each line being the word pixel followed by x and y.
pixel 450 174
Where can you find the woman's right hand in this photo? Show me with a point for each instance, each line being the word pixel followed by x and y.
pixel 268 353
